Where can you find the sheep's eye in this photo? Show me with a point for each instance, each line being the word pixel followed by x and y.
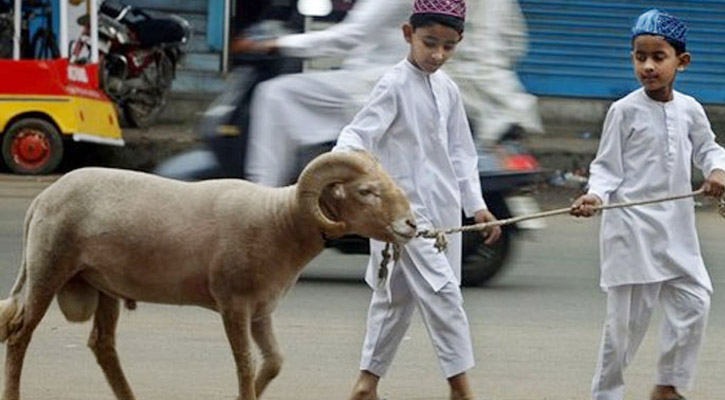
pixel 365 192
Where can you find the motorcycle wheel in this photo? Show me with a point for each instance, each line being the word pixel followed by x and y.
pixel 142 109
pixel 32 146
pixel 481 262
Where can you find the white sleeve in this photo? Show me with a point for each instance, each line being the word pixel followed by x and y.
pixel 607 171
pixel 365 17
pixel 707 155
pixel 464 159
pixel 371 122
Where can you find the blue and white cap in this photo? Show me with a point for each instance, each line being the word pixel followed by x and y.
pixel 658 23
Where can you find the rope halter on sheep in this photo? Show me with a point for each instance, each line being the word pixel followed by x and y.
pixel 440 235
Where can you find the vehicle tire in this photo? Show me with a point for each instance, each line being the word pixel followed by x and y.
pixel 142 109
pixel 481 262
pixel 32 146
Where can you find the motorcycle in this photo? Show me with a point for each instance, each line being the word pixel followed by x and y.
pixel 139 51
pixel 504 169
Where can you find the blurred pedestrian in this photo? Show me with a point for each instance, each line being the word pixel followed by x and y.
pixel 315 106
pixel 484 67
pixel 650 254
pixel 414 122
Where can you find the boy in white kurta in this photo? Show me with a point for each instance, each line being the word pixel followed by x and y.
pixel 650 254
pixel 415 123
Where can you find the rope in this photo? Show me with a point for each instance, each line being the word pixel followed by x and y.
pixel 383 267
pixel 440 235
pixel 441 242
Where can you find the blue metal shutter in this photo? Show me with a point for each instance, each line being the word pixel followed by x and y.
pixel 582 48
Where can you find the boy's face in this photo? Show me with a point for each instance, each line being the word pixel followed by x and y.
pixel 431 46
pixel 656 64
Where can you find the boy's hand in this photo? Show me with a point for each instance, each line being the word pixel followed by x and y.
pixel 492 233
pixel 585 206
pixel 714 185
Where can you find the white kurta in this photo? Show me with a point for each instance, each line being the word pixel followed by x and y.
pixel 369 36
pixel 416 126
pixel 646 151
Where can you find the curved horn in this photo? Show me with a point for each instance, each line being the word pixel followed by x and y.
pixel 327 169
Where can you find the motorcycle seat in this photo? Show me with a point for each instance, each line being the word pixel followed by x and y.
pixel 154 32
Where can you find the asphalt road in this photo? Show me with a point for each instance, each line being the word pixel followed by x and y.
pixel 536 329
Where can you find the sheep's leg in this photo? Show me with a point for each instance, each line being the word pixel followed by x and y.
pixel 237 326
pixel 263 335
pixel 102 342
pixel 35 305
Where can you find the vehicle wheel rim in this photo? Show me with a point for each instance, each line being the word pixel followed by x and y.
pixel 30 149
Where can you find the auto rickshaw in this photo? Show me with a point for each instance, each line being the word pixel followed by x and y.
pixel 47 103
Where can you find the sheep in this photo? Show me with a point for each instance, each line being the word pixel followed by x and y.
pixel 98 236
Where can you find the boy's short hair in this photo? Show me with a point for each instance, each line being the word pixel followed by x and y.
pixel 427 19
pixel 657 23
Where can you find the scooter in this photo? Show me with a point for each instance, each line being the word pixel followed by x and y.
pixel 504 170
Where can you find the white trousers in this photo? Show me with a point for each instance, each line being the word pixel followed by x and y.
pixel 685 306
pixel 297 110
pixel 390 313
pixel 495 100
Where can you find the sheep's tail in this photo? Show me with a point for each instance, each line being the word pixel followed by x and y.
pixel 11 311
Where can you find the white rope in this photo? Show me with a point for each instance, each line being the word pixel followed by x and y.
pixel 441 242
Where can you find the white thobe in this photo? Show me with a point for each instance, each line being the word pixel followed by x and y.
pixel 416 126
pixel 646 151
pixel 317 105
pixel 650 254
pixel 483 66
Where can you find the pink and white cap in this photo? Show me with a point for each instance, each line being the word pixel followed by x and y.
pixel 454 8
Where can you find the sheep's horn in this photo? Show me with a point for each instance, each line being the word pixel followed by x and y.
pixel 325 170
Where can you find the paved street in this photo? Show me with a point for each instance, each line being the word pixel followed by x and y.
pixel 536 329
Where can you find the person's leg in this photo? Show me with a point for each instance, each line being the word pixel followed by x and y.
pixel 685 305
pixel 292 111
pixel 629 309
pixel 389 317
pixel 448 329
pixel 460 387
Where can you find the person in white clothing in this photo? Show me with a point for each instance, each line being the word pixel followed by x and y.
pixel 297 110
pixel 650 254
pixel 496 102
pixel 414 122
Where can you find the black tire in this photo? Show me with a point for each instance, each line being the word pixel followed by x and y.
pixel 32 146
pixel 142 110
pixel 481 263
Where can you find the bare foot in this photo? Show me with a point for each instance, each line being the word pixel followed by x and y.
pixel 366 387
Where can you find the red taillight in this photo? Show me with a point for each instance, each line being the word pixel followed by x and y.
pixel 521 162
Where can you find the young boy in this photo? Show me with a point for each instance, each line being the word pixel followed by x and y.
pixel 414 122
pixel 650 254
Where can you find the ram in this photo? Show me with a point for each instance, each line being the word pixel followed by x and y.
pixel 98 236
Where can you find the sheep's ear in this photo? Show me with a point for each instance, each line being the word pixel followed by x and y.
pixel 338 191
